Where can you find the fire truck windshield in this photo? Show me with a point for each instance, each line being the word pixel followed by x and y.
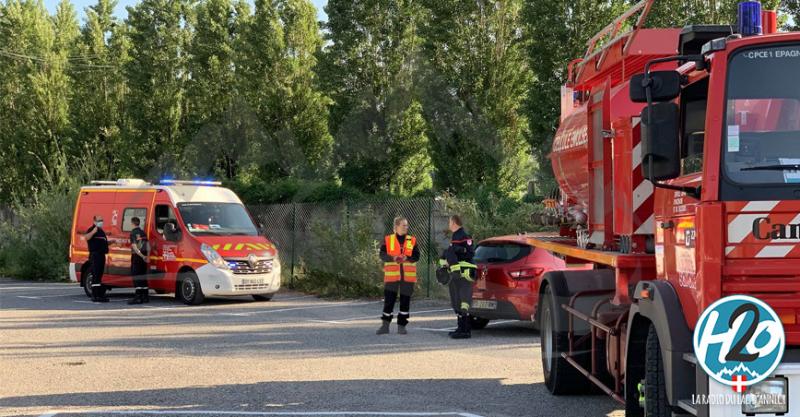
pixel 762 128
pixel 217 219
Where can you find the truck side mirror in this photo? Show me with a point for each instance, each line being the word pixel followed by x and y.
pixel 665 86
pixel 171 232
pixel 661 156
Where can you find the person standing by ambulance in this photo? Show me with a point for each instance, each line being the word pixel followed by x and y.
pixel 399 253
pixel 139 250
pixel 458 258
pixel 98 248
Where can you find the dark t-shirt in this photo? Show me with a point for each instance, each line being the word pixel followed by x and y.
pixel 139 238
pixel 99 242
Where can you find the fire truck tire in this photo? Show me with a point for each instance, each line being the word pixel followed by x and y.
pixel 189 290
pixel 560 377
pixel 478 323
pixel 262 297
pixel 655 385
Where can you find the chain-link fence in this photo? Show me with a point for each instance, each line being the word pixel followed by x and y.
pixel 333 247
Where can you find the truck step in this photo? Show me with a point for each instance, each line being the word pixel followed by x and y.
pixel 686 405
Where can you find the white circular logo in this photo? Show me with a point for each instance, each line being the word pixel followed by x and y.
pixel 739 340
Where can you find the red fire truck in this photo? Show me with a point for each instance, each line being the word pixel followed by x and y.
pixel 203 241
pixel 678 160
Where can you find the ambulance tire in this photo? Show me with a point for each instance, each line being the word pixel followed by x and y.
pixel 560 377
pixel 189 290
pixel 86 282
pixel 258 297
pixel 655 385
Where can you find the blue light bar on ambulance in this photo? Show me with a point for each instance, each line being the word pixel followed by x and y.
pixel 192 182
pixel 750 18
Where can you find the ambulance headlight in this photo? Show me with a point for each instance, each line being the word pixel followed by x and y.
pixel 767 397
pixel 213 257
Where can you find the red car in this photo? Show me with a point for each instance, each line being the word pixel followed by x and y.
pixel 508 277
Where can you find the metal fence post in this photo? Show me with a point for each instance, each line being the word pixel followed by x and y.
pixel 430 244
pixel 294 228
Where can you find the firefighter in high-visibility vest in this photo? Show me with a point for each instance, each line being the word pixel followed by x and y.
pixel 458 259
pixel 399 253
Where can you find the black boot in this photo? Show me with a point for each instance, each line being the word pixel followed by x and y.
pixel 464 330
pixel 458 329
pixel 146 297
pixel 384 329
pixel 137 299
pixel 98 296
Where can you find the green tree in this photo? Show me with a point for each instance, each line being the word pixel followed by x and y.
pixel 156 77
pixel 277 58
pixel 34 94
pixel 480 78
pixel 98 100
pixel 370 67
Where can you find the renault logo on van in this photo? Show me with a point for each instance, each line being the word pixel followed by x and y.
pixel 251 260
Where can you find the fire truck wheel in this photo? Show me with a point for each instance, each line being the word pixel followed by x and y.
pixel 654 389
pixel 189 290
pixel 560 377
pixel 478 323
pixel 262 297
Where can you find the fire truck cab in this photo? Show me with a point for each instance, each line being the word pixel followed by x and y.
pixel 202 240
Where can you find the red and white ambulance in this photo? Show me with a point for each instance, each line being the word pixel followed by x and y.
pixel 203 242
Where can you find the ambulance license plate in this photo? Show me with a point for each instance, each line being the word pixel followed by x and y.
pixel 252 281
pixel 485 304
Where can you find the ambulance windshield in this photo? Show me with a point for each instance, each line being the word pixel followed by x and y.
pixel 217 219
pixel 762 128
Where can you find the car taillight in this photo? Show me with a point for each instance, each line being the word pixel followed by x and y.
pixel 526 273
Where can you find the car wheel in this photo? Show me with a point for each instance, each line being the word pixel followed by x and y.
pixel 189 290
pixel 560 377
pixel 478 323
pixel 262 297
pixel 655 386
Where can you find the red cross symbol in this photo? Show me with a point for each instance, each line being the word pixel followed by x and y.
pixel 737 386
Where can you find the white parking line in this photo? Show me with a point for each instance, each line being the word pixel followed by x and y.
pixel 265 413
pixel 281 310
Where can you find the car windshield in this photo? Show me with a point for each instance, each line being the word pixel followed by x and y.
pixel 223 219
pixel 762 135
pixel 496 252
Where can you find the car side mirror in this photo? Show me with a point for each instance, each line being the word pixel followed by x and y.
pixel 664 86
pixel 171 232
pixel 661 157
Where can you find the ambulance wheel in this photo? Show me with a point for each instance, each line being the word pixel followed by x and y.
pixel 478 323
pixel 655 386
pixel 262 297
pixel 560 377
pixel 87 283
pixel 189 290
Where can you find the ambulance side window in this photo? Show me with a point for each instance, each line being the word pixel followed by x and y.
pixel 694 99
pixel 130 213
pixel 164 215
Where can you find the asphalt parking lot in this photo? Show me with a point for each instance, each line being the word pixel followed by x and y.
pixel 298 355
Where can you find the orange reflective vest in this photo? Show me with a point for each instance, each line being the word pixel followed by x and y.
pixel 392 270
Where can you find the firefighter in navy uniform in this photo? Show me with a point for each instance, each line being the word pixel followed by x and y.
pixel 98 248
pixel 458 259
pixel 139 249
pixel 399 253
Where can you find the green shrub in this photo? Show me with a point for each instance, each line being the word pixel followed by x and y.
pixel 36 244
pixel 342 260
pixel 486 214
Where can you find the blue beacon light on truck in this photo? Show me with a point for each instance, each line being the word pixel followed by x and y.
pixel 750 18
